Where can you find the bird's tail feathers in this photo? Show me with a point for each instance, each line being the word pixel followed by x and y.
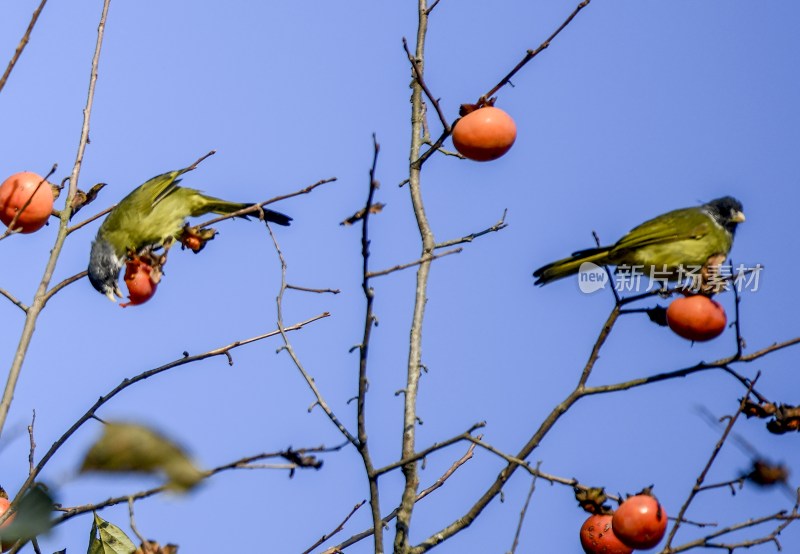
pixel 570 266
pixel 223 207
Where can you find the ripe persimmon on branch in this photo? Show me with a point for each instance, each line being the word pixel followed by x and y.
pixel 355 405
pixel 419 125
pixel 297 458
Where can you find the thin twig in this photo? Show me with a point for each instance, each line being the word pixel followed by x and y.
pixel 33 311
pixel 706 541
pixel 69 513
pixel 518 461
pixel 524 511
pixel 287 346
pixel 338 529
pixel 22 43
pixel 64 283
pixel 450 471
pixel 424 259
pixel 533 53
pixel 416 65
pixel 430 8
pixel 684 372
pixel 32 443
pixel 601 339
pixel 88 221
pixel 255 209
pixel 393 514
pixel 613 288
pixel 318 291
pixel 737 320
pixel 467 435
pixel 144 541
pixel 501 224
pixel 434 147
pixel 90 413
pixel 14 300
pixel 363 354
pixel 712 458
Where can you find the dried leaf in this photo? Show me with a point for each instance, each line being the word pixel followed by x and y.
pixel 81 198
pixel 375 208
pixel 658 315
pixel 754 409
pixel 155 548
pixel 126 447
pixel 592 500
pixel 765 473
pixel 301 460
pixel 107 538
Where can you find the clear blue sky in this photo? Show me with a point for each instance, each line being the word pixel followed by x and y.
pixel 636 109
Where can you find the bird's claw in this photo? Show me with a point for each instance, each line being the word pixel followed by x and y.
pixel 112 294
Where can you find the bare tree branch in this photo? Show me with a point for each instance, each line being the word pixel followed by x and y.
pixel 410 471
pixel 33 311
pixel 14 300
pixel 255 209
pixel 90 413
pixel 501 224
pixel 522 513
pixel 69 513
pixel 287 346
pixel 533 53
pixel 338 529
pixel 22 43
pixel 437 484
pixel 416 66
pixel 712 458
pixel 95 217
pixel 424 259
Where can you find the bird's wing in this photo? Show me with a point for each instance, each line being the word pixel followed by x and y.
pixel 159 187
pixel 683 224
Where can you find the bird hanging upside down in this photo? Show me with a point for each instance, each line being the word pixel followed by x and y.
pixel 152 216
pixel 689 237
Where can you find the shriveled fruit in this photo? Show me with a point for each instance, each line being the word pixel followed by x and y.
pixel 640 522
pixel 193 243
pixel 697 318
pixel 15 192
pixel 597 536
pixel 140 282
pixel 484 134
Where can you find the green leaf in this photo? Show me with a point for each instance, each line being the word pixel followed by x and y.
pixel 31 517
pixel 126 447
pixel 107 538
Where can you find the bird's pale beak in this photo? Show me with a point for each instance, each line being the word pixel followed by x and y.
pixel 738 217
pixel 110 296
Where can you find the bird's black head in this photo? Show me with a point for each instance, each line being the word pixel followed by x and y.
pixel 727 211
pixel 104 267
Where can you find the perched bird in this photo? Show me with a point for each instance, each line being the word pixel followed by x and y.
pixel 150 216
pixel 688 237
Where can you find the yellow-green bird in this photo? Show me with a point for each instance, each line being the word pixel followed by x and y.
pixel 150 215
pixel 686 238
